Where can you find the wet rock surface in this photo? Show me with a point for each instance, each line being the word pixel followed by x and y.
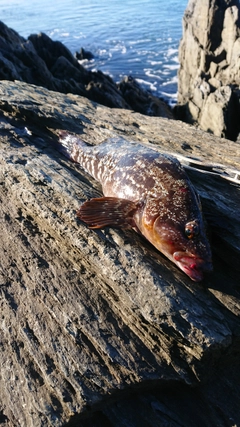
pixel 208 78
pixel 97 327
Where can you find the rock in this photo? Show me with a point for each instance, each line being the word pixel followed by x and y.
pixel 50 51
pixel 44 62
pixel 218 105
pixel 143 101
pixel 97 327
pixel 209 51
pixel 84 54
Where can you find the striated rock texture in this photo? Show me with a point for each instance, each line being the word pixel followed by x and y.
pixel 97 328
pixel 209 74
pixel 42 61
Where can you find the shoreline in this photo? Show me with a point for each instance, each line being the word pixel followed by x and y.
pixel 40 60
pixel 123 44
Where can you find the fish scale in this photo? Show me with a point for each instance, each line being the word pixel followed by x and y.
pixel 148 191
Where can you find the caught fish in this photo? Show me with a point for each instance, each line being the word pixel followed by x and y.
pixel 148 191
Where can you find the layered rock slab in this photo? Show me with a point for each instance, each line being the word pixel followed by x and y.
pixel 90 317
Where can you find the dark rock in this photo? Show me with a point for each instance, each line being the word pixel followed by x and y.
pixel 97 327
pixel 141 100
pixel 84 54
pixel 50 50
pixel 209 52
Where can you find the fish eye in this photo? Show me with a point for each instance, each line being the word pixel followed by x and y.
pixel 191 229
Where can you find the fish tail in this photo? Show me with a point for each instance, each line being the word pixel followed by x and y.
pixel 70 146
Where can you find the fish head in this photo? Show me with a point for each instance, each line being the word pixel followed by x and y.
pixel 184 244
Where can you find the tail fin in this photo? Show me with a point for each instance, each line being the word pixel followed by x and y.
pixel 70 145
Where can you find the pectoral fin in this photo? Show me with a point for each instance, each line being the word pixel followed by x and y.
pixel 100 212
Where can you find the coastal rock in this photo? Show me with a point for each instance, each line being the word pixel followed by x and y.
pixel 143 101
pixel 209 76
pixel 84 54
pixel 44 62
pixel 97 327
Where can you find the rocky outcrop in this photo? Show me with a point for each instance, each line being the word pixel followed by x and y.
pixel 84 54
pixel 97 327
pixel 209 74
pixel 44 62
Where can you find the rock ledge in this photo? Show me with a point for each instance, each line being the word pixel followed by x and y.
pixel 97 328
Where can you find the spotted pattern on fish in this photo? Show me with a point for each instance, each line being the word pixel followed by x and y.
pixel 148 191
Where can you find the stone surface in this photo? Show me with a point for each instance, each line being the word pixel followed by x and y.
pixel 209 52
pixel 97 327
pixel 42 61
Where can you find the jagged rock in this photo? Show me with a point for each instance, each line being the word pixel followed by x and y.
pixel 84 54
pixel 143 101
pixel 218 105
pixel 97 327
pixel 50 51
pixel 42 61
pixel 209 52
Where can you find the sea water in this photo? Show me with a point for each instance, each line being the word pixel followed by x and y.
pixel 137 38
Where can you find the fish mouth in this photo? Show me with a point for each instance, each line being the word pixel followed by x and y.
pixel 192 265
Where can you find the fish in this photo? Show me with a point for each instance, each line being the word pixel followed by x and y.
pixel 148 191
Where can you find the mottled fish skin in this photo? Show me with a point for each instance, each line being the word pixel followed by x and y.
pixel 148 191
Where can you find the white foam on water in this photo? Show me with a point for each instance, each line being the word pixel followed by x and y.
pixel 154 62
pixel 103 52
pixel 80 36
pixel 175 59
pixel 164 72
pixel 151 86
pixel 119 47
pixel 54 32
pixel 134 60
pixel 170 98
pixel 172 51
pixel 169 95
pixel 133 42
pixel 150 73
pixel 171 67
pixel 173 80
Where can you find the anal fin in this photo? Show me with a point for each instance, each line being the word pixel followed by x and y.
pixel 103 211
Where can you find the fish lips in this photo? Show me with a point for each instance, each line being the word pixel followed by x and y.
pixel 192 265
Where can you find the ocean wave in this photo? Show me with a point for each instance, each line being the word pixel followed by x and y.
pixel 170 96
pixel 134 60
pixel 151 86
pixel 175 59
pixel 133 42
pixel 172 51
pixel 154 62
pixel 79 36
pixel 150 73
pixel 171 67
pixel 171 81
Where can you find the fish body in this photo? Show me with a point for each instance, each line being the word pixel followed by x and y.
pixel 148 191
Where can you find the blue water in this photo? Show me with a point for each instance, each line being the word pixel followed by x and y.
pixel 137 38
